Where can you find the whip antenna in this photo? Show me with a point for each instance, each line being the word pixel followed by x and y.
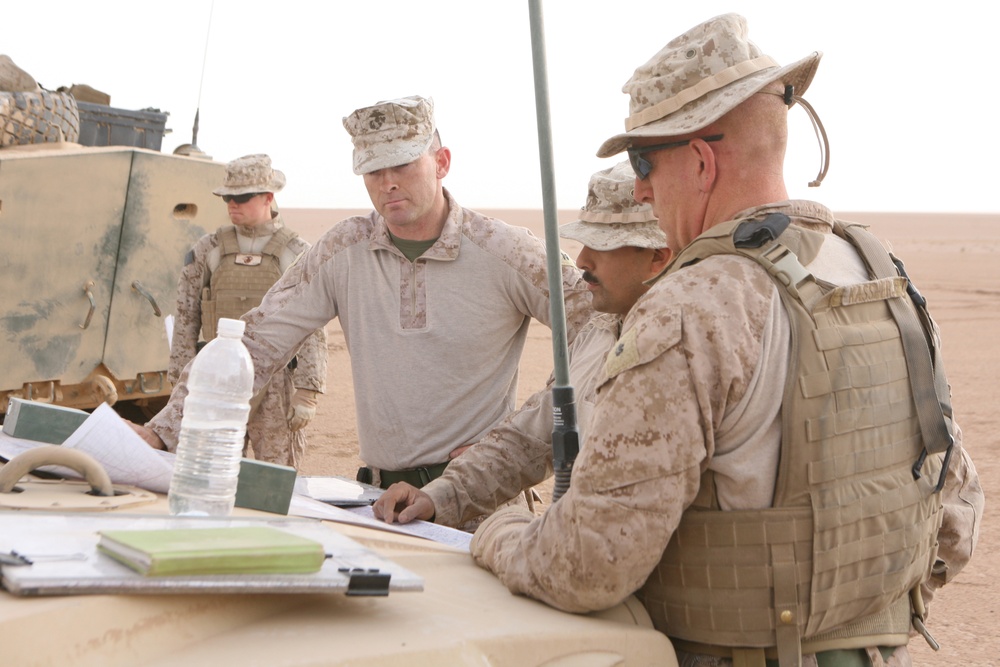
pixel 192 148
pixel 565 437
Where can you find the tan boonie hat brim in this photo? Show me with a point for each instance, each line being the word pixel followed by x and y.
pixel 390 133
pixel 698 77
pixel 614 235
pixel 251 174
pixel 612 218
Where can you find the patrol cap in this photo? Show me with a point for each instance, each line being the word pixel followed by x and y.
pixel 390 133
pixel 700 76
pixel 612 218
pixel 251 173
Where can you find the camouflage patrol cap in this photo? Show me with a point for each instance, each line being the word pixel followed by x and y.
pixel 390 133
pixel 612 218
pixel 251 173
pixel 700 76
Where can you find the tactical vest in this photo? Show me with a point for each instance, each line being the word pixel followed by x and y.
pixel 240 282
pixel 866 436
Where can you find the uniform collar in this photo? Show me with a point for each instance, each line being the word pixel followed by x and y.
pixel 266 229
pixel 448 243
pixel 802 212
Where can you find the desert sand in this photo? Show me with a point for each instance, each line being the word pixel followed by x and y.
pixel 951 258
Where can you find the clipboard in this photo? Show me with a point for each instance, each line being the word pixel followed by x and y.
pixel 64 559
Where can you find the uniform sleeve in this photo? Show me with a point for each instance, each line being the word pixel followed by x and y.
pixel 598 543
pixel 517 454
pixel 292 316
pixel 530 286
pixel 301 303
pixel 514 456
pixel 187 319
pixel 676 368
pixel 187 327
pixel 311 359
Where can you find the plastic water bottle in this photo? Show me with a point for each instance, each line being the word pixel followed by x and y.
pixel 216 409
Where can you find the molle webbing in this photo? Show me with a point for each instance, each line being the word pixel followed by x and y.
pixel 235 289
pixel 851 531
pixel 933 398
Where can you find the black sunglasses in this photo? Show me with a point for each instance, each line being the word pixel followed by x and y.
pixel 641 166
pixel 240 199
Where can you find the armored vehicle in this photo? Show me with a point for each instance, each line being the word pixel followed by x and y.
pixel 94 240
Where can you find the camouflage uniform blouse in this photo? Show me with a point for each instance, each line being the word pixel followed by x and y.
pixel 696 384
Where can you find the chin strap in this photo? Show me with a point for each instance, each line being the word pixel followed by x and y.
pixel 791 98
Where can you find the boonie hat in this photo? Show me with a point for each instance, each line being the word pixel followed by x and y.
pixel 251 173
pixel 700 76
pixel 612 218
pixel 390 133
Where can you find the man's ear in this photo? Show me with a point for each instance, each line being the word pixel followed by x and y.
pixel 659 260
pixel 443 161
pixel 706 164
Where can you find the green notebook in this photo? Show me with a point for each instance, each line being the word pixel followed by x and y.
pixel 195 551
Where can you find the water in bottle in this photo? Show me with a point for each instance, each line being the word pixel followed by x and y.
pixel 216 409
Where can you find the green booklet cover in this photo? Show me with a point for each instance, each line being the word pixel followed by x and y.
pixel 229 550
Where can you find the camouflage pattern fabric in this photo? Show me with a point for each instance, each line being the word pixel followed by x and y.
pixel 270 437
pixel 434 344
pixel 517 454
pixel 698 77
pixel 251 174
pixel 390 133
pixel 612 218
pixel 690 363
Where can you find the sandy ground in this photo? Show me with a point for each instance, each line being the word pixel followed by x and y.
pixel 952 259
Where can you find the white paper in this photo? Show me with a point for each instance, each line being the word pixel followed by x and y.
pixel 363 516
pixel 427 529
pixel 168 324
pixel 110 441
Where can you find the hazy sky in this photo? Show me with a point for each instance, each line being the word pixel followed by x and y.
pixel 905 93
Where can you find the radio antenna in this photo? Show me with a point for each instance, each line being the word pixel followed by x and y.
pixel 192 148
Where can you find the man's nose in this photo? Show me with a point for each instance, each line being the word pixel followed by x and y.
pixel 642 192
pixel 386 181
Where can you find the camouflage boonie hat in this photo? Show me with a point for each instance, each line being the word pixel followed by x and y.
pixel 612 218
pixel 700 76
pixel 390 133
pixel 251 173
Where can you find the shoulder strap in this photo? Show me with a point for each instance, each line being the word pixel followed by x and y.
pixel 279 240
pixel 228 244
pixel 926 372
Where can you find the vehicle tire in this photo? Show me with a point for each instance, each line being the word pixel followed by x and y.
pixel 38 117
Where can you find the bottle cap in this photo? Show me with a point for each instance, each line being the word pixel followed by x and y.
pixel 228 327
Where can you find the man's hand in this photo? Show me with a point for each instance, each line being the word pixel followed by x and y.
pixel 148 435
pixel 403 503
pixel 458 451
pixel 302 409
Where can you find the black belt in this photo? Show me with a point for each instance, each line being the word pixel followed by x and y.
pixel 418 477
